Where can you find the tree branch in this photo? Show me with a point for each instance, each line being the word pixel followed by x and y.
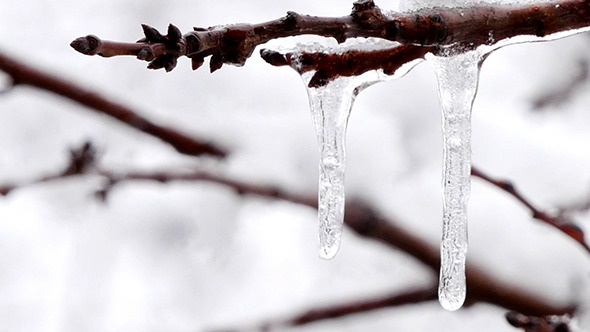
pixel 539 324
pixel 27 75
pixel 565 226
pixel 330 66
pixel 413 296
pixel 432 27
pixel 359 217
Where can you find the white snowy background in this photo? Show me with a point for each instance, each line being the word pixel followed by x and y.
pixel 196 256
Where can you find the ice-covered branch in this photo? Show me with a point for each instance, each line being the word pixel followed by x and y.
pixel 565 226
pixel 23 74
pixel 351 63
pixel 431 27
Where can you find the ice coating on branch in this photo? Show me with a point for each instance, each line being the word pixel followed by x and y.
pixel 415 5
pixel 330 106
pixel 486 49
pixel 457 76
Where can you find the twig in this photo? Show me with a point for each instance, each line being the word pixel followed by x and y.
pixel 330 66
pixel 468 27
pixel 567 227
pixel 24 74
pixel 539 324
pixel 358 217
pixel 354 307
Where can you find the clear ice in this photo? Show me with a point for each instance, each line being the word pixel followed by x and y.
pixel 457 76
pixel 330 107
pixel 457 72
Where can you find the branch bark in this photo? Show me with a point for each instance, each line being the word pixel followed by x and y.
pixel 433 28
pixel 359 217
pixel 413 296
pixel 27 75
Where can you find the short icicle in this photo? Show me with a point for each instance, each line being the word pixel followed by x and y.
pixel 330 107
pixel 457 75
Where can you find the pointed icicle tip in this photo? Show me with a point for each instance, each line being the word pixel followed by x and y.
pixel 451 304
pixel 329 252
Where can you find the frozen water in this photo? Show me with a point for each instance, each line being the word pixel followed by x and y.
pixel 457 76
pixel 486 49
pixel 415 5
pixel 330 107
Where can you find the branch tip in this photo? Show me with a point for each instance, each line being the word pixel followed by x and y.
pixel 291 19
pixel 89 45
pixel 273 57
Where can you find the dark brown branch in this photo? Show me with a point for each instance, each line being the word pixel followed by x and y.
pixel 352 63
pixel 468 27
pixel 402 298
pixel 24 74
pixel 539 324
pixel 360 218
pixel 340 310
pixel 566 226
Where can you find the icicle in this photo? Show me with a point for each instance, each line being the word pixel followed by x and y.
pixel 330 107
pixel 457 76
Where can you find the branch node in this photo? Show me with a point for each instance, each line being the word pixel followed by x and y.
pixel 152 35
pixel 363 5
pixel 507 186
pixel 366 12
pixel 81 159
pixel 174 35
pixel 291 19
pixel 5 190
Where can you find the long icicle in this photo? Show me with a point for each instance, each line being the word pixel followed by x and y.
pixel 457 76
pixel 331 102
pixel 330 107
